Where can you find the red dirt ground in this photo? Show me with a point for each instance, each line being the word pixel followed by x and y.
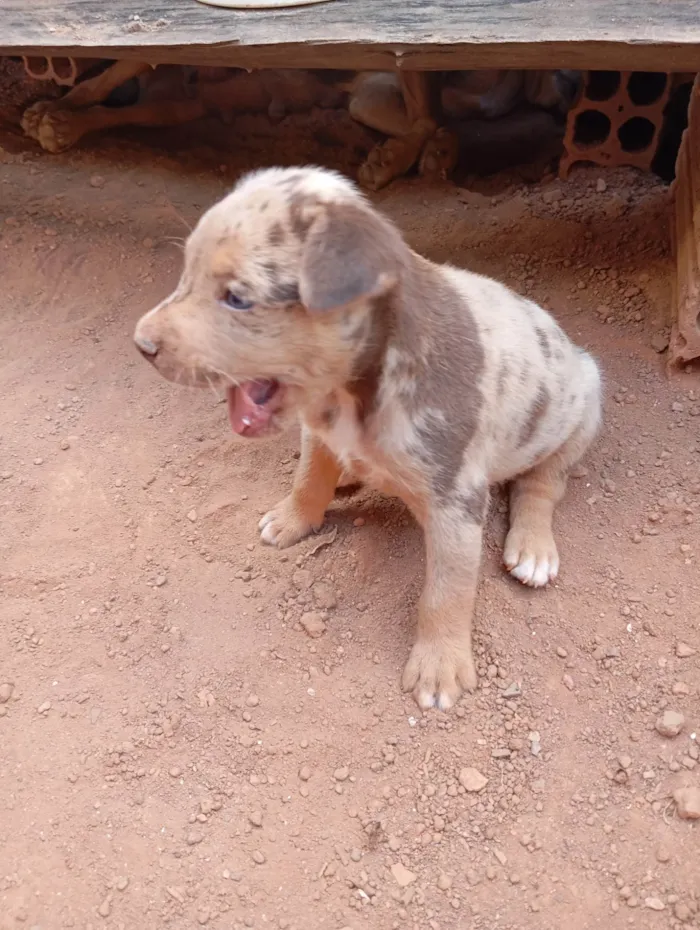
pixel 177 752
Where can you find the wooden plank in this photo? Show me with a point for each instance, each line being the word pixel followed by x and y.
pixel 661 35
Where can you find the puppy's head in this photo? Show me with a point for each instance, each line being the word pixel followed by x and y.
pixel 277 300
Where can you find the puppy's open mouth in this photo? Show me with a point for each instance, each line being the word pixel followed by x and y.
pixel 252 404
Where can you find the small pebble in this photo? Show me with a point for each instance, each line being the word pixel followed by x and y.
pixel 472 780
pixel 259 857
pixel 684 651
pixel 687 803
pixel 670 724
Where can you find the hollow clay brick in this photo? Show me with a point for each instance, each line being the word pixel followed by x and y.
pixel 618 108
pixel 685 333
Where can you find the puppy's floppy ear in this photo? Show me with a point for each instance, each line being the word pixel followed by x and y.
pixel 350 252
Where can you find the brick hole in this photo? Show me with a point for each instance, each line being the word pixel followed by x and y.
pixel 646 87
pixel 63 68
pixel 636 134
pixel 591 128
pixel 38 65
pixel 602 85
pixel 674 123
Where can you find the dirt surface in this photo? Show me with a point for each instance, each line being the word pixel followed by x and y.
pixel 177 751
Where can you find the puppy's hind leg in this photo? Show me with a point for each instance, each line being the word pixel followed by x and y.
pixel 530 552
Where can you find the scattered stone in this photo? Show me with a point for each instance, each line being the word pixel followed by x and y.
pixel 122 883
pixel 44 708
pixel 562 653
pixel 444 882
pixel 64 445
pixel 472 780
pixel 342 774
pixel 684 651
pixel 601 185
pixel 324 595
pixel 256 818
pixel 654 904
pixel 305 773
pixel 192 515
pixel 513 690
pixel 312 623
pixel 97 180
pixel 105 909
pixel 259 857
pixel 680 687
pixel 670 724
pixel 6 691
pixel 568 682
pixel 402 875
pixel 663 854
pixel 175 771
pixel 687 803
pixel 194 838
pixel 659 341
pixel 682 912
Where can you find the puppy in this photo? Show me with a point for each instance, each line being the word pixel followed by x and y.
pixel 424 381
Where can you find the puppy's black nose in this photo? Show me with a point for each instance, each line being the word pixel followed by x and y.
pixel 146 347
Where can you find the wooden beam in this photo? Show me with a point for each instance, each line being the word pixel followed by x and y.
pixel 653 35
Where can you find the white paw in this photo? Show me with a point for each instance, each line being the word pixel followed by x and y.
pixel 530 558
pixel 284 525
pixel 438 673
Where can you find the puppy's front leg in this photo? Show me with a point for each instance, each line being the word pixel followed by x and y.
pixel 303 510
pixel 441 664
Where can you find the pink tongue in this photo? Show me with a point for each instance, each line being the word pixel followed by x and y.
pixel 246 416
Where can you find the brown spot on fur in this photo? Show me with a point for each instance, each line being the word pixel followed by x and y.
pixel 276 235
pixel 373 337
pixel 298 219
pixel 449 382
pixel 475 503
pixel 537 411
pixel 284 293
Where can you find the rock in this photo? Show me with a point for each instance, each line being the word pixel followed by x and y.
pixel 44 708
pixel 444 882
pixel 6 691
pixel 342 773
pixel 654 904
pixel 194 838
pixel 105 909
pixel 601 185
pixel 659 341
pixel 687 803
pixel 513 690
pixel 568 682
pixel 192 515
pixel 256 818
pixel 402 875
pixel 313 624
pixel 259 857
pixel 97 181
pixel 305 773
pixel 472 780
pixel 324 595
pixel 663 854
pixel 682 912
pixel 122 883
pixel 684 651
pixel 670 724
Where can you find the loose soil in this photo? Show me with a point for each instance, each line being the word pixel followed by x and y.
pixel 177 750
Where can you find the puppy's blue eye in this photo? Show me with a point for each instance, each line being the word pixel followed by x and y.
pixel 236 302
